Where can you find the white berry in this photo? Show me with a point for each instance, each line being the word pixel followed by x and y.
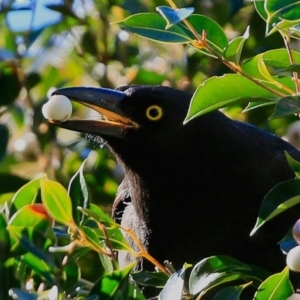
pixel 293 259
pixel 296 231
pixel 58 108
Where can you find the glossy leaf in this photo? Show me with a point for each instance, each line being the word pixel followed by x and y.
pixel 78 192
pixel 148 278
pixel 106 261
pixel 277 286
pixel 286 106
pixel 213 271
pixel 234 49
pixel 96 213
pixel 231 292
pixel 92 238
pixel 116 238
pixel 31 215
pixel 254 105
pixel 26 194
pixel 260 8
pixel 39 266
pixel 219 92
pixel 174 16
pixel 281 14
pixel 152 26
pixel 27 220
pixel 294 164
pixel 174 286
pixel 283 196
pixel 114 285
pixel 259 65
pixel 31 247
pixel 57 201
pixel 291 68
pixel 279 58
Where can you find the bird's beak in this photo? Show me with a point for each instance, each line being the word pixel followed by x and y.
pixel 107 102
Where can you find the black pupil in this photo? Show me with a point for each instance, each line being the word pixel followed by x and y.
pixel 153 112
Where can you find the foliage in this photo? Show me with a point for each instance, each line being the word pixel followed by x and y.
pixel 52 238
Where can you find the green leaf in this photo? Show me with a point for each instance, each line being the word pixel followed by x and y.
pixel 283 196
pixel 279 58
pixel 78 192
pixel 259 65
pixel 31 247
pixel 72 275
pixel 213 271
pixel 254 105
pixel 294 164
pixel 148 278
pixel 291 68
pixel 277 286
pixel 106 262
pixel 25 195
pixel 174 286
pixel 281 15
pixel 260 8
pixel 231 292
pixel 152 26
pixel 234 49
pixel 31 215
pixel 92 237
pixel 26 221
pixel 174 16
pixel 114 285
pixel 57 201
pixel 219 92
pixel 286 106
pixel 96 213
pixel 116 238
pixel 39 266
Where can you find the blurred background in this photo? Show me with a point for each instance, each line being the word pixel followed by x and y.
pixel 48 44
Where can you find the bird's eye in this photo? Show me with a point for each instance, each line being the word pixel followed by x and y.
pixel 154 113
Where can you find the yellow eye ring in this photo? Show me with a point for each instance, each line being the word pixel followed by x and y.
pixel 154 113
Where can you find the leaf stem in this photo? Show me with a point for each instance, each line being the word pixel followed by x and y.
pixel 201 42
pixel 292 61
pixel 143 252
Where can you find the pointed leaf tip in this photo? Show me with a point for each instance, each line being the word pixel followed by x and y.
pixel 174 16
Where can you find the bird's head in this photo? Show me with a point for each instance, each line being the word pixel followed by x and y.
pixel 137 120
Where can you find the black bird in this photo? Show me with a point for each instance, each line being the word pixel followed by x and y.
pixel 190 191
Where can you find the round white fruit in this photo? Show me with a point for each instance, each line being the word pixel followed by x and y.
pixel 58 108
pixel 293 259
